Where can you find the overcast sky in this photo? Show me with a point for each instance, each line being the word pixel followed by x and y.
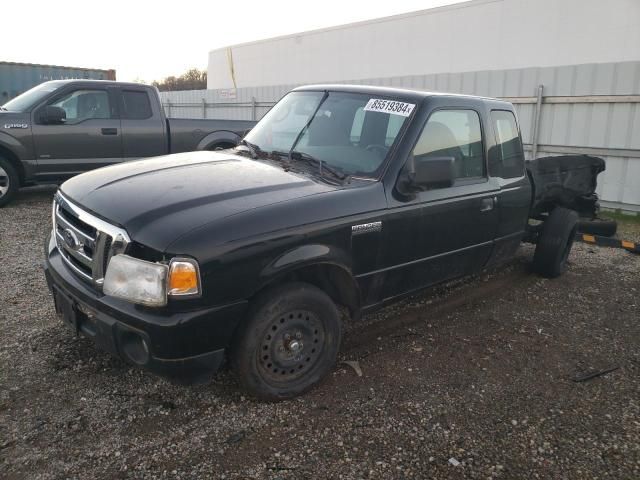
pixel 149 40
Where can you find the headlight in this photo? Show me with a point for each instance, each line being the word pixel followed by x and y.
pixel 150 283
pixel 136 280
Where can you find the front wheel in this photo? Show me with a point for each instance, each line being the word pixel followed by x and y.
pixel 8 182
pixel 555 242
pixel 289 342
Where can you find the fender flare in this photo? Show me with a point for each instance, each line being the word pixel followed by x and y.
pixel 219 136
pixel 15 153
pixel 11 144
pixel 309 256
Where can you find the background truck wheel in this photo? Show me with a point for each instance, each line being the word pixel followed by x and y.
pixel 288 343
pixel 220 146
pixel 9 182
pixel 555 242
pixel 598 226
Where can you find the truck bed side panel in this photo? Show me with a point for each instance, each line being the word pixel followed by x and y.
pixel 186 134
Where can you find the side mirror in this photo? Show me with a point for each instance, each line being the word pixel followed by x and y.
pixel 51 115
pixel 434 172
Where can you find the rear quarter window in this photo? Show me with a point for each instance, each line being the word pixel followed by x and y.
pixel 507 157
pixel 136 105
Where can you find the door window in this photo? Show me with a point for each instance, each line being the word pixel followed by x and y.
pixel 136 105
pixel 507 157
pixel 457 134
pixel 82 105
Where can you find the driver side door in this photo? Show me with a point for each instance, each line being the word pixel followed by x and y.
pixel 442 232
pixel 90 137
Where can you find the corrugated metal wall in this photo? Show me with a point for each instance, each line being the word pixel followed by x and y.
pixel 16 78
pixel 593 108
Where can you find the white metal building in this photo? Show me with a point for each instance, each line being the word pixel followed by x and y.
pixel 464 37
pixel 571 67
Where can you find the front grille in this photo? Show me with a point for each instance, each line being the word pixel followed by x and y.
pixel 86 243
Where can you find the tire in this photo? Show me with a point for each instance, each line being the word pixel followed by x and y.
pixel 598 226
pixel 555 242
pixel 9 181
pixel 288 342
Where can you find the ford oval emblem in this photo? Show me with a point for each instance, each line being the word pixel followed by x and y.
pixel 71 239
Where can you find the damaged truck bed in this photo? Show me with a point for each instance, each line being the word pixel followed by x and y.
pixel 568 181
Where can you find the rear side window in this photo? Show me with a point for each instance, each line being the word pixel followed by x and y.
pixel 457 134
pixel 507 158
pixel 136 105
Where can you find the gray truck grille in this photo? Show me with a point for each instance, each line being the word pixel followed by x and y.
pixel 86 243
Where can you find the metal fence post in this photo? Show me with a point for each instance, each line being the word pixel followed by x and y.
pixel 204 108
pixel 253 108
pixel 168 110
pixel 536 123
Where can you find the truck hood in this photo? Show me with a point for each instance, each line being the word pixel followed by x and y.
pixel 160 199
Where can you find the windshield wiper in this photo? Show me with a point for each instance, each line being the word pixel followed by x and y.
pixel 4 109
pixel 254 149
pixel 322 166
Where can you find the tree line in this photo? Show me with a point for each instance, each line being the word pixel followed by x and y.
pixel 194 79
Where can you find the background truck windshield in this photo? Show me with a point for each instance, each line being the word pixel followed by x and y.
pixel 349 131
pixel 28 99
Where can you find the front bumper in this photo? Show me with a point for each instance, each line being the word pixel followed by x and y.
pixel 185 345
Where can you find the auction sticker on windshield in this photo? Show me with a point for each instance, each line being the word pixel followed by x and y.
pixel 389 106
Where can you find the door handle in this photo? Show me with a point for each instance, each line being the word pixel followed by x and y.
pixel 487 204
pixel 109 131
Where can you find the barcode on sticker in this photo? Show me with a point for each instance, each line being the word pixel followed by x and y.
pixel 389 106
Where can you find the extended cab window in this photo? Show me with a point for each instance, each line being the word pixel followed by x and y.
pixel 136 105
pixel 82 105
pixel 507 158
pixel 456 134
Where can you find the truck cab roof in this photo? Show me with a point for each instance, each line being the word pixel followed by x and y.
pixel 113 83
pixel 405 93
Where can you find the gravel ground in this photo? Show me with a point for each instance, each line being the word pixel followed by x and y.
pixel 628 229
pixel 474 379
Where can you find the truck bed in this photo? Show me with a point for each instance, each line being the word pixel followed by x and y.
pixel 568 181
pixel 186 134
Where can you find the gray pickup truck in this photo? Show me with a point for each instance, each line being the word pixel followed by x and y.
pixel 65 127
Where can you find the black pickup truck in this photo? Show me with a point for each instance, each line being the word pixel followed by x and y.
pixel 64 127
pixel 340 200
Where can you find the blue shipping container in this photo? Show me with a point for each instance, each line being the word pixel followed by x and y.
pixel 16 78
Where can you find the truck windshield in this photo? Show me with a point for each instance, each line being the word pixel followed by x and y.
pixel 28 99
pixel 350 132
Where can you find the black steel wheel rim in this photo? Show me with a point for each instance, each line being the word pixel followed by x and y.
pixel 291 346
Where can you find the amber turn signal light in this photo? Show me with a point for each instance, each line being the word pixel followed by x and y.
pixel 183 278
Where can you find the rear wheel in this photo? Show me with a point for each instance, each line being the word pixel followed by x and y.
pixel 9 181
pixel 289 342
pixel 555 242
pixel 221 146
